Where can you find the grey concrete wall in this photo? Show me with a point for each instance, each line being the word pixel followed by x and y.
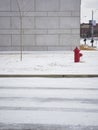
pixel 46 24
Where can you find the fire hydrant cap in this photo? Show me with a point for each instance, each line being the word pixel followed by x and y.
pixel 76 49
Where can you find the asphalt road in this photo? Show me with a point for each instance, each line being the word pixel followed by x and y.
pixel 49 104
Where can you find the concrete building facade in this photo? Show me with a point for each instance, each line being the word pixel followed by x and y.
pixel 39 25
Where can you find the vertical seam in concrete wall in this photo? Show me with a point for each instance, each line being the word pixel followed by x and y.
pixel 11 40
pixel 59 28
pixel 11 29
pixel 59 5
pixel 71 13
pixel 35 5
pixel 35 22
pixel 35 43
pixel 47 28
pixel 10 5
pixel 59 39
pixel 11 21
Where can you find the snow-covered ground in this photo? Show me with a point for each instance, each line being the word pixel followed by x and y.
pixel 49 63
pixel 48 103
pixel 88 41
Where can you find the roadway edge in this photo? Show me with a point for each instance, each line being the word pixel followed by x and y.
pixel 48 75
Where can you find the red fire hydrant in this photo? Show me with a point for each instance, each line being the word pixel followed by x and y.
pixel 77 55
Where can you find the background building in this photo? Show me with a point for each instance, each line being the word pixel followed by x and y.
pixel 39 24
pixel 86 28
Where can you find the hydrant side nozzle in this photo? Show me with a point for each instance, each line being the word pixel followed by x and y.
pixel 81 54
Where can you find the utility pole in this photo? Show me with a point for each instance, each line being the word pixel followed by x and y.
pixel 92 28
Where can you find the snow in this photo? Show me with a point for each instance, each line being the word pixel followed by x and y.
pixel 61 118
pixel 51 101
pixel 69 102
pixel 49 93
pixel 88 41
pixel 49 63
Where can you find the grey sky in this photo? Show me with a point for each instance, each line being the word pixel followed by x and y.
pixel 86 10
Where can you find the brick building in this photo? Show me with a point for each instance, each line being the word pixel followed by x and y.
pixel 85 30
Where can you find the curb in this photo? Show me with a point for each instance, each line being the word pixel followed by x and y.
pixel 48 75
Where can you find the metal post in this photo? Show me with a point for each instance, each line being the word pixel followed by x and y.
pixel 20 30
pixel 92 28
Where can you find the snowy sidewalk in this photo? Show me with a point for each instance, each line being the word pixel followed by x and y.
pixel 40 63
